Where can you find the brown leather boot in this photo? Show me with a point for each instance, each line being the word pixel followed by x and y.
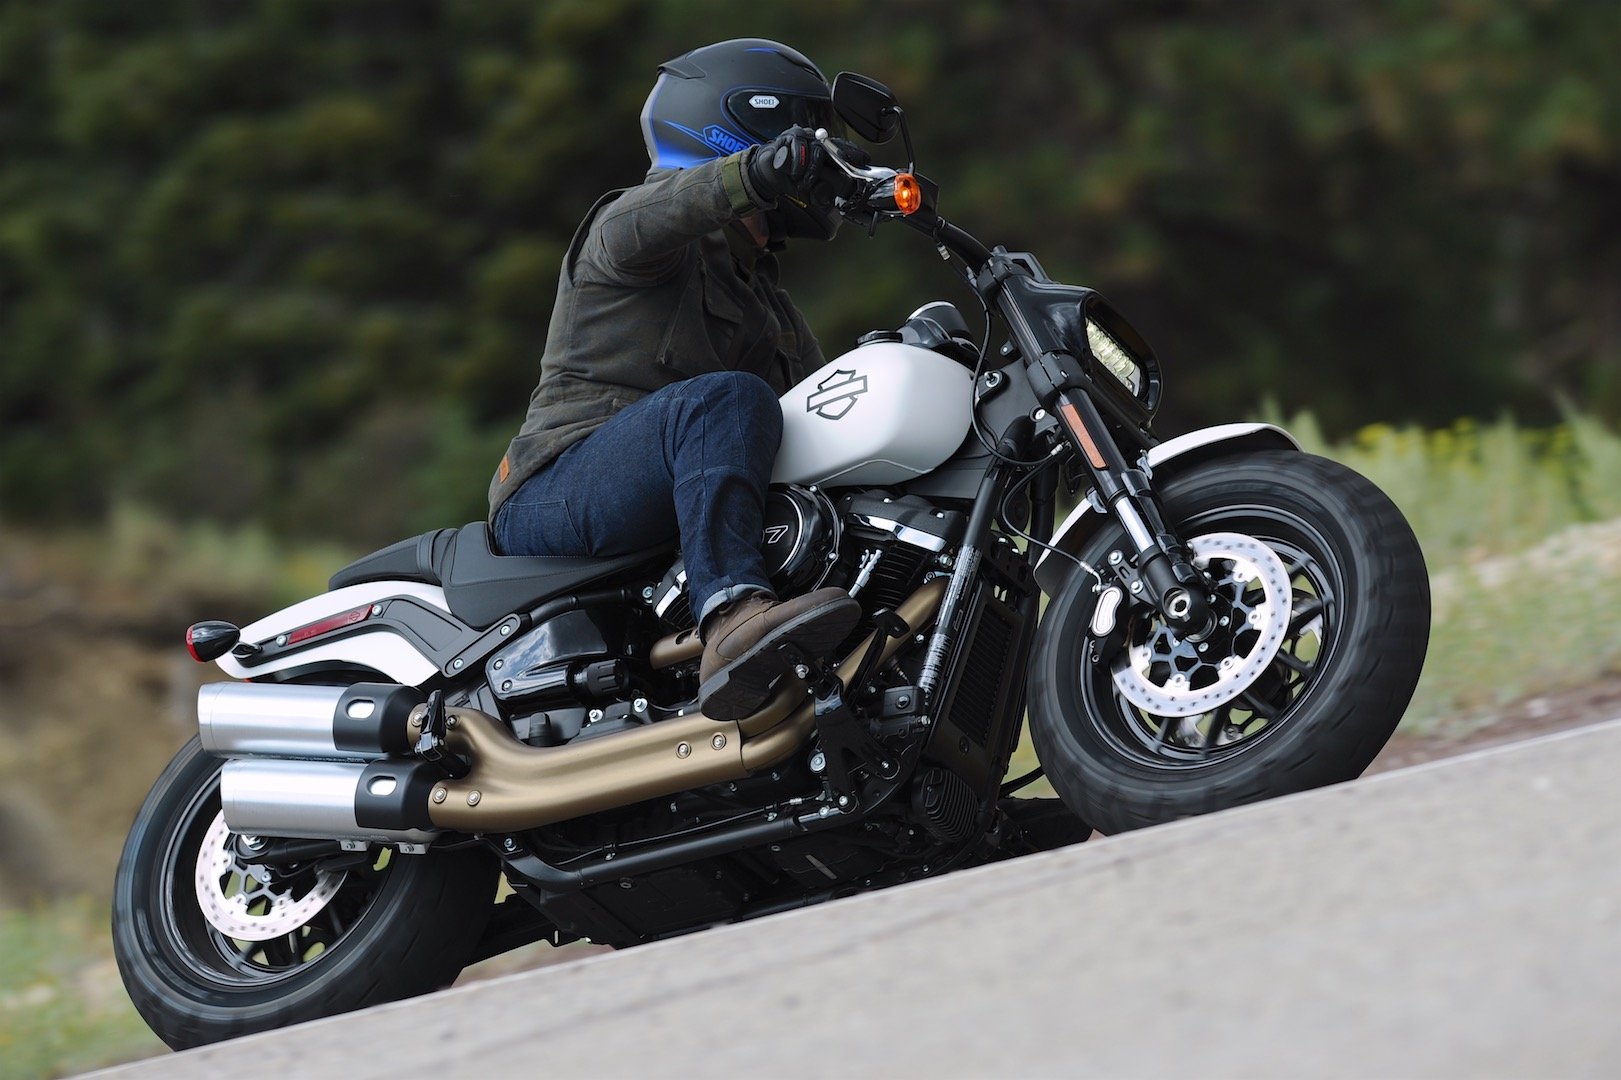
pixel 740 646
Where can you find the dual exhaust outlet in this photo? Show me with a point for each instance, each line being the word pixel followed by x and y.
pixel 319 762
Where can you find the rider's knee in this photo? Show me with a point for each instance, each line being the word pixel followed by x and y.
pixel 742 393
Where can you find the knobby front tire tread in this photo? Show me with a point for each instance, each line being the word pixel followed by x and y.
pixel 1346 716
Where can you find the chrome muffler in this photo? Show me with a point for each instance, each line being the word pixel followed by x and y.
pixel 380 801
pixel 362 722
pixel 314 761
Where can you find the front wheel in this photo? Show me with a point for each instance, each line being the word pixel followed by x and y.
pixel 211 946
pixel 1320 620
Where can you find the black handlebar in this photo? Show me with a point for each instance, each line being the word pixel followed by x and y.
pixel 955 240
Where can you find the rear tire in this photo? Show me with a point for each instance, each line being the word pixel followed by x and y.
pixel 399 925
pixel 1321 711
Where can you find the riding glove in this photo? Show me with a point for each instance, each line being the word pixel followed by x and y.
pixel 795 163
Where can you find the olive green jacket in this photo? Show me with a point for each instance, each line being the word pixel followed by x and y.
pixel 660 283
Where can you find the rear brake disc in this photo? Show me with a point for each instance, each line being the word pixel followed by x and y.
pixel 244 901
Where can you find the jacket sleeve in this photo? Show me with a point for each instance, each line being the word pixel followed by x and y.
pixel 638 237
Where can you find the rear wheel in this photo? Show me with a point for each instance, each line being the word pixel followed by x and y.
pixel 1321 619
pixel 211 945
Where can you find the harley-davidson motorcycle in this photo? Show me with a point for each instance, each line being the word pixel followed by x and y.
pixel 1226 618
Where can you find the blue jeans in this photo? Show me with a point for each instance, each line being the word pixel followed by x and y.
pixel 695 456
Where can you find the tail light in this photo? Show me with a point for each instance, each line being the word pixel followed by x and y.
pixel 207 641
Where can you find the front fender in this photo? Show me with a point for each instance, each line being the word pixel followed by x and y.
pixel 1165 460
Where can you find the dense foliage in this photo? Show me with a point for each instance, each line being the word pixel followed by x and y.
pixel 294 259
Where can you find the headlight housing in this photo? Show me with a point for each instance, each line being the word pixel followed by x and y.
pixel 1107 351
pixel 1120 360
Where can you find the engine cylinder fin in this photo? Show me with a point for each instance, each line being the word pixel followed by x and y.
pixel 945 804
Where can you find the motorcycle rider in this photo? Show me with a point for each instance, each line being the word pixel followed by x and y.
pixel 657 408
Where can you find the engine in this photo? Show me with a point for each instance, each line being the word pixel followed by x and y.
pixel 880 547
pixel 587 672
pixel 891 546
pixel 801 530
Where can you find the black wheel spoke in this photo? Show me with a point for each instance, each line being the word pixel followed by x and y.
pixel 1294 663
pixel 276 954
pixel 1255 705
pixel 1218 722
pixel 335 921
pixel 1159 736
pixel 1304 613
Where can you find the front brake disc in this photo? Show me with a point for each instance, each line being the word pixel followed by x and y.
pixel 1167 674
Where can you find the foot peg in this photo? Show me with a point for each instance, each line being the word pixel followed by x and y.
pixel 846 743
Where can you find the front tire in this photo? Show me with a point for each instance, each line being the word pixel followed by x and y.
pixel 1123 743
pixel 395 926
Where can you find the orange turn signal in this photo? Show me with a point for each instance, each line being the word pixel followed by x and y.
pixel 908 193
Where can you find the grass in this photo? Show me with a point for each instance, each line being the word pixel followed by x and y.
pixel 146 570
pixel 1473 491
pixel 1522 532
pixel 1518 625
pixel 62 1007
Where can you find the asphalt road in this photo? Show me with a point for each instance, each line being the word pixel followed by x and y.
pixel 1455 919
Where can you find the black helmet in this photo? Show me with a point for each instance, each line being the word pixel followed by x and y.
pixel 727 97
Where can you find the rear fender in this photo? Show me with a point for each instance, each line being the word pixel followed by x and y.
pixel 382 650
pixel 1167 459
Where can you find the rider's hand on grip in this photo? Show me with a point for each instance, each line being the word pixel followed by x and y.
pixel 787 164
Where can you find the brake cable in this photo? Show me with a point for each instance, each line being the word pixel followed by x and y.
pixel 1006 522
pixel 973 412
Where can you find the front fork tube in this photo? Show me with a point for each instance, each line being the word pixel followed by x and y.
pixel 1174 585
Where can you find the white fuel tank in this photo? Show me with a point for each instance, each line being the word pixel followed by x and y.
pixel 880 414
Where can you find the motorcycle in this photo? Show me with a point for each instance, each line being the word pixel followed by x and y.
pixel 1226 619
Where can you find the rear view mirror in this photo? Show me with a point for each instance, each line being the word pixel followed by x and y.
pixel 867 106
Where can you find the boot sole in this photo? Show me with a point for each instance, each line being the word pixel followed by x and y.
pixel 740 688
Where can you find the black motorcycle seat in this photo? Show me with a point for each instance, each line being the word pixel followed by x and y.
pixel 481 586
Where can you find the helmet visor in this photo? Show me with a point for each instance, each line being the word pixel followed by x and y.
pixel 765 114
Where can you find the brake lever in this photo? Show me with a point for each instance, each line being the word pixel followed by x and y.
pixel 875 174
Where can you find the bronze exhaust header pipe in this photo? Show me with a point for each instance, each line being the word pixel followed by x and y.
pixel 513 786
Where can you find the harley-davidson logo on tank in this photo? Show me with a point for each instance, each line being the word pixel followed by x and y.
pixel 905 410
pixel 836 395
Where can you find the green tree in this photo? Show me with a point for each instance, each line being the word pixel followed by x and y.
pixel 296 258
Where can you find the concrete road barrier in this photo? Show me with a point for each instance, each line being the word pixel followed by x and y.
pixel 1461 918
